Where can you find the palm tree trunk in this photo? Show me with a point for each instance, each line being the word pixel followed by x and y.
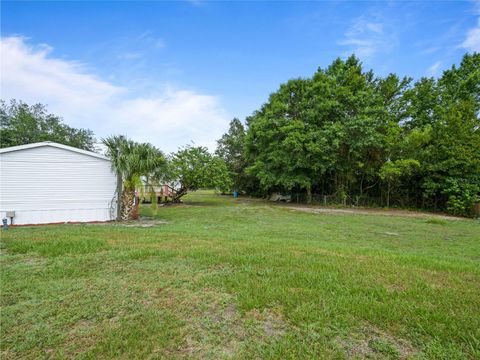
pixel 128 204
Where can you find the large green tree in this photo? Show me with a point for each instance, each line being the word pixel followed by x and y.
pixel 443 133
pixel 23 124
pixel 193 167
pixel 231 148
pixel 329 132
pixel 131 160
pixel 285 146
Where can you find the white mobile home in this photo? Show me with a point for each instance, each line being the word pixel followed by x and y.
pixel 47 182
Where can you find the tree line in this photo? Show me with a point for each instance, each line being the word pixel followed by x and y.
pixel 350 134
pixel 344 133
pixel 21 124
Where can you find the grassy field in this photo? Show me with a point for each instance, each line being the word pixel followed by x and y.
pixel 245 279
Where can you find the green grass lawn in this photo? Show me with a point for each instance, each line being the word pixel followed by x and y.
pixel 246 279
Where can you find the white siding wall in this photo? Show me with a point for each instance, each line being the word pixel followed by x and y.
pixel 49 185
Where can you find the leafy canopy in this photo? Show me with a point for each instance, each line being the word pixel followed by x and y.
pixel 348 133
pixel 23 124
pixel 131 159
pixel 194 167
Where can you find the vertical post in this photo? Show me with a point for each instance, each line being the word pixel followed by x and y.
pixel 388 195
pixel 309 194
pixel 119 197
pixel 476 209
pixel 325 200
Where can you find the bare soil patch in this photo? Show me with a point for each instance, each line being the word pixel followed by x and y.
pixel 372 343
pixel 367 211
pixel 140 223
pixel 270 322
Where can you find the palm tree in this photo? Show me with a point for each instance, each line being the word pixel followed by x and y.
pixel 131 160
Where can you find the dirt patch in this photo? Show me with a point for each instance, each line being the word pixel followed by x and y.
pixel 391 233
pixel 395 287
pixel 80 337
pixel 140 223
pixel 372 343
pixel 270 321
pixel 172 204
pixel 365 211
pixel 81 327
pixel 33 261
pixel 7 354
pixel 214 326
pixel 437 279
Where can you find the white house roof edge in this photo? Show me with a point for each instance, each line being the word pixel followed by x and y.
pixel 53 144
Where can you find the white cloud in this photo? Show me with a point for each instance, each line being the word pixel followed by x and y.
pixel 130 56
pixel 159 44
pixel 148 37
pixel 168 119
pixel 433 70
pixel 431 50
pixel 365 38
pixel 472 39
pixel 196 2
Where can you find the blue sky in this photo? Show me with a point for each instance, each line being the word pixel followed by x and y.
pixel 174 72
